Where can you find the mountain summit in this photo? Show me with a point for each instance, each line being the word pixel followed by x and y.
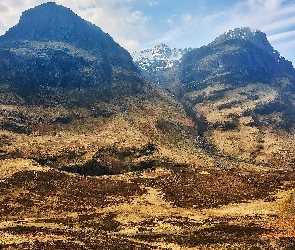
pixel 256 37
pixel 52 22
pixel 52 46
pixel 155 62
pixel 159 57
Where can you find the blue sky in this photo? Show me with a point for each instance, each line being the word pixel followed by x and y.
pixel 140 24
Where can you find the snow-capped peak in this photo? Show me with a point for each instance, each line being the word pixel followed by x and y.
pixel 159 57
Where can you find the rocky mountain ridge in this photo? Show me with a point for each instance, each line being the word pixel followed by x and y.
pixel 257 38
pixel 236 85
pixel 240 54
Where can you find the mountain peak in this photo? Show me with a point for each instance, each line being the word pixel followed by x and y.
pixel 155 61
pixel 242 33
pixel 62 49
pixel 255 36
pixel 52 22
pixel 161 47
pixel 160 56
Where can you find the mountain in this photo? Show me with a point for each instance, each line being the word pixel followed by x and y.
pixel 242 93
pixel 159 57
pixel 243 54
pixel 154 62
pixel 94 156
pixel 62 77
pixel 52 46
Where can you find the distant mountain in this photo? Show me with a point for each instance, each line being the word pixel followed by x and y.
pixel 159 57
pixel 155 61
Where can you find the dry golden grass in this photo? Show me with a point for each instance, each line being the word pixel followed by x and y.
pixel 239 143
pixel 10 166
pixel 76 142
pixel 241 102
pixel 253 208
pixel 169 207
pixel 263 145
pixel 8 239
pixel 207 91
pixel 151 220
pixel 284 225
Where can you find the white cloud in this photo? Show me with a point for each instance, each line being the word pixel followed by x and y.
pixel 130 44
pixel 187 18
pixel 167 37
pixel 125 25
pixel 3 8
pixel 153 3
pixel 169 21
pixel 286 23
pixel 137 17
pixel 283 35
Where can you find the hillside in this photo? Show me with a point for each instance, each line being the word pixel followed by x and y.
pixel 58 87
pixel 242 93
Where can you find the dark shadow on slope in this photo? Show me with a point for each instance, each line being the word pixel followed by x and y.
pixel 113 160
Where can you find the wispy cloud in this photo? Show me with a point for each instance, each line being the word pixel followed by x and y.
pixel 153 3
pixel 167 37
pixel 282 35
pixel 274 17
pixel 137 17
pixel 3 8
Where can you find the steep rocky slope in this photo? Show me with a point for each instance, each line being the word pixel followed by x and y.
pixel 242 92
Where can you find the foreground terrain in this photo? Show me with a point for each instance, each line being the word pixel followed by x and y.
pixel 179 207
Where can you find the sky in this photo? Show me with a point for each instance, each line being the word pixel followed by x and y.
pixel 141 24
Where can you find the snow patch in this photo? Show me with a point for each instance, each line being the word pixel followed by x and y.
pixel 159 57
